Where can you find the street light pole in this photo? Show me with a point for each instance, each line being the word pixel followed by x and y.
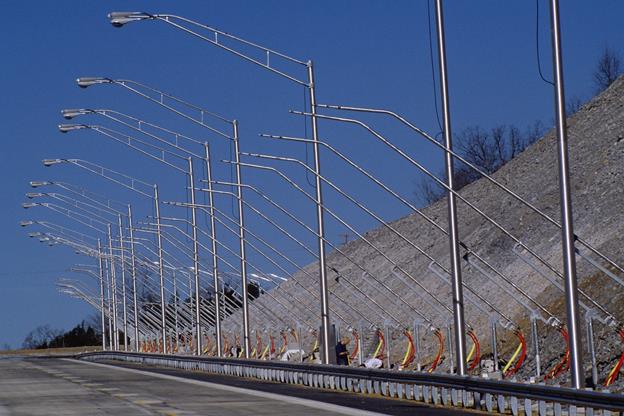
pixel 198 333
pixel 101 270
pixel 213 238
pixel 241 236
pixel 123 283
pixel 134 285
pixel 113 289
pixel 567 229
pixel 458 296
pixel 161 271
pixel 325 319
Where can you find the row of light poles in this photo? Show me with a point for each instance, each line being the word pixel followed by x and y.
pixel 167 149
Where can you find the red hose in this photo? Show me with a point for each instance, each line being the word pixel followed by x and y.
pixel 477 358
pixel 613 376
pixel 438 357
pixel 356 348
pixel 410 357
pixel 522 357
pixel 272 340
pixel 564 364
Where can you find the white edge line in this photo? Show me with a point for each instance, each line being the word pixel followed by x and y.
pixel 274 396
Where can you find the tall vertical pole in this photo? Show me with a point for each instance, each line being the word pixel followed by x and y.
pixel 101 270
pixel 325 319
pixel 123 283
pixel 175 311
pixel 567 230
pixel 135 305
pixel 458 296
pixel 213 238
pixel 161 272
pixel 113 288
pixel 241 235
pixel 198 333
pixel 109 305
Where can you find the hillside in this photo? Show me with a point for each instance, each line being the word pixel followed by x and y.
pixel 596 147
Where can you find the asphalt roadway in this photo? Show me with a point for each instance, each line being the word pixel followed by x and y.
pixel 56 386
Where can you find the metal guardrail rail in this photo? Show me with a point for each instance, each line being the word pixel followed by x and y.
pixel 467 392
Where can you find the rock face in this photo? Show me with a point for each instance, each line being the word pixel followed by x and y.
pixel 596 148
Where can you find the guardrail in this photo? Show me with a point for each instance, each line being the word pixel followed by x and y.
pixel 449 390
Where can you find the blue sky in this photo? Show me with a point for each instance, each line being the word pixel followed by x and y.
pixel 366 53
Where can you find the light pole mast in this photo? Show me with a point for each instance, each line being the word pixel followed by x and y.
pixel 161 271
pixel 567 229
pixel 457 288
pixel 241 235
pixel 198 332
pixel 213 238
pixel 101 270
pixel 325 319
pixel 134 285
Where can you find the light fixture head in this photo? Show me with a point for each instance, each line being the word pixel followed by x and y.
pixel 31 195
pixel 74 112
pixel 118 19
pixel 33 235
pixel 84 82
pixel 36 184
pixel 64 128
pixel 27 205
pixel 26 223
pixel 50 162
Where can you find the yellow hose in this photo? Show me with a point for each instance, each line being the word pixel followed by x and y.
pixel 376 353
pixel 407 352
pixel 266 349
pixel 513 357
pixel 471 353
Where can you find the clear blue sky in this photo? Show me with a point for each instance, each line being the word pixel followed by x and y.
pixel 366 53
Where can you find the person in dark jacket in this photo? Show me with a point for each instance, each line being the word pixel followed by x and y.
pixel 342 355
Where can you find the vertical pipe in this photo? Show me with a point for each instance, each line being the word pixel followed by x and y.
pixel 123 283
pixel 360 345
pixel 215 265
pixel 417 342
pixel 324 288
pixel 103 315
pixel 567 229
pixel 241 235
pixel 198 333
pixel 449 333
pixel 113 289
pixel 388 339
pixel 538 360
pixel 161 272
pixel 458 296
pixel 300 339
pixel 493 322
pixel 592 349
pixel 135 305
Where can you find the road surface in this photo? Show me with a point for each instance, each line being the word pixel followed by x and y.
pixel 55 386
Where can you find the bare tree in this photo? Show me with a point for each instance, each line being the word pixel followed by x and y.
pixel 608 69
pixel 487 150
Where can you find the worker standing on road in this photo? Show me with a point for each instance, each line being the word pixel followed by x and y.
pixel 342 355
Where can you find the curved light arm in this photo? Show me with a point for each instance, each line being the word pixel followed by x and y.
pixel 126 119
pixel 93 197
pixel 122 179
pixel 144 91
pixel 120 18
pixel 130 142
